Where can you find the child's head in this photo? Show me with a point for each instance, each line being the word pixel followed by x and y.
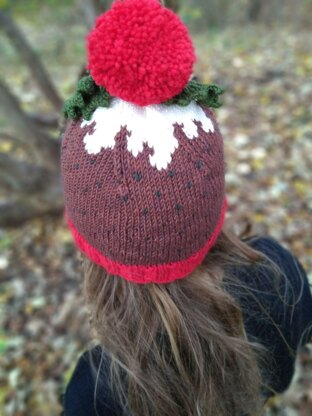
pixel 143 169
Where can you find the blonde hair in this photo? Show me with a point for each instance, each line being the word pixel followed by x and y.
pixel 178 349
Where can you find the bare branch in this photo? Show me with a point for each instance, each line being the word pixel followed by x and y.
pixel 22 177
pixel 49 121
pixel 101 5
pixel 45 150
pixel 6 135
pixel 89 11
pixel 47 198
pixel 31 59
pixel 254 10
pixel 13 213
pixel 93 8
pixel 173 5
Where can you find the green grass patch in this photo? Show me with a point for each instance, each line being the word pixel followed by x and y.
pixel 4 343
pixel 5 242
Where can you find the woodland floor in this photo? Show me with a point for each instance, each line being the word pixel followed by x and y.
pixel 266 121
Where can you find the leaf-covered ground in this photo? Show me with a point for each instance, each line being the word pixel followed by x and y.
pixel 267 127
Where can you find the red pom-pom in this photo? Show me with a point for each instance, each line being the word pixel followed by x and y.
pixel 140 52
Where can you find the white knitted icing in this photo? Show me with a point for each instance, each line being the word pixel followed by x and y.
pixel 153 124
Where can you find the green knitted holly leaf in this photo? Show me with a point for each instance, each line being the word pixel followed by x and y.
pixel 205 95
pixel 89 96
pixel 86 99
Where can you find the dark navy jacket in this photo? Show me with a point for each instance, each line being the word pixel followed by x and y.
pixel 278 316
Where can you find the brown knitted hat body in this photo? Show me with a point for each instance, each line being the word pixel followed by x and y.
pixel 135 214
pixel 143 184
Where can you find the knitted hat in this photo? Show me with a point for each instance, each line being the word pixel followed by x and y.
pixel 142 155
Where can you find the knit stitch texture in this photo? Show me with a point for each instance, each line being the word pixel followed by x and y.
pixel 160 273
pixel 133 214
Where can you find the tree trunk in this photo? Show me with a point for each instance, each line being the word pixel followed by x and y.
pixel 33 191
pixel 20 177
pixel 254 10
pixel 31 59
pixel 173 5
pixel 47 121
pixel 16 212
pixel 34 188
pixel 92 9
pixel 101 6
pixel 42 148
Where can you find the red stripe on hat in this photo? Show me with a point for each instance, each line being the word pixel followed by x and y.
pixel 159 273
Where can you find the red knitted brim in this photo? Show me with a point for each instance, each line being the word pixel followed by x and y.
pixel 160 273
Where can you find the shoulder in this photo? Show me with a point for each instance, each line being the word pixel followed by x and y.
pixel 291 283
pixel 273 250
pixel 280 269
pixel 276 304
pixel 274 290
pixel 88 392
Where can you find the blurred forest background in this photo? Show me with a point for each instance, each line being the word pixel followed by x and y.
pixel 259 50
